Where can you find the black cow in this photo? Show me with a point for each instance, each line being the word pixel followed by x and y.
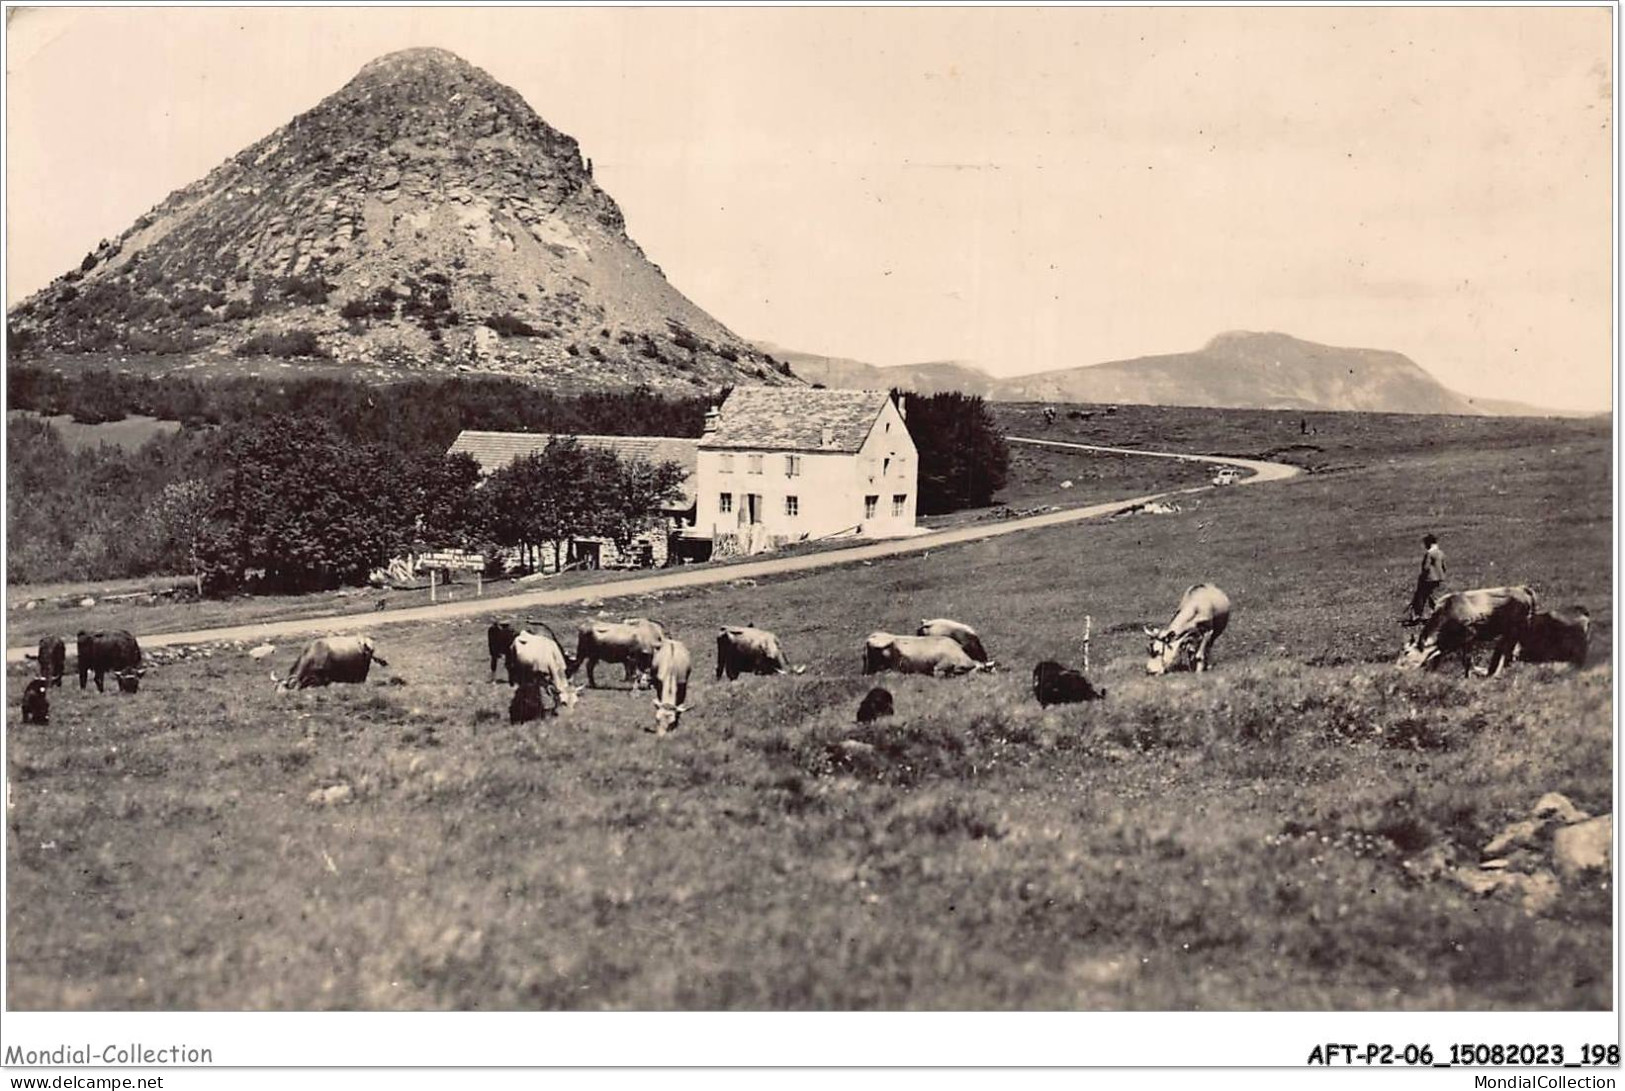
pixel 36 705
pixel 530 702
pixel 104 653
pixel 876 703
pixel 53 659
pixel 1555 636
pixel 498 639
pixel 1054 684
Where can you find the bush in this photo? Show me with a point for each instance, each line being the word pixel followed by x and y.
pixel 294 343
pixel 304 289
pixel 509 325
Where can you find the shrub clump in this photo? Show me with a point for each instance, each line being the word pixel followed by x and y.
pixel 509 325
pixel 293 344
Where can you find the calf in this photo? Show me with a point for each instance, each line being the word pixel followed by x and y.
pixel 529 702
pixel 670 670
pixel 53 659
pixel 129 681
pixel 876 703
pixel 36 704
pixel 1054 684
pixel 107 653
pixel 1555 636
pixel 1469 618
pixel 958 632
pixel 1204 613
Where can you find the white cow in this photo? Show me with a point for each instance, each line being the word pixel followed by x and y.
pixel 670 670
pixel 535 657
pixel 1204 611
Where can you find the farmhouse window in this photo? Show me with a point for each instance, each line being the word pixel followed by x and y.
pixel 755 464
pixel 899 502
pixel 885 467
pixel 870 503
pixel 727 464
pixel 725 502
pixel 792 505
pixel 792 465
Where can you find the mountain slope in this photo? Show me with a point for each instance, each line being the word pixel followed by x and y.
pixel 843 373
pixel 421 216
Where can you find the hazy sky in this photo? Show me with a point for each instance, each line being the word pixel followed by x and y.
pixel 1023 189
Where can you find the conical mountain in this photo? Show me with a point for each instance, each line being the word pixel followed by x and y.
pixel 423 216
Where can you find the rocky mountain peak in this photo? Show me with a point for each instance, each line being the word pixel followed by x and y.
pixel 422 216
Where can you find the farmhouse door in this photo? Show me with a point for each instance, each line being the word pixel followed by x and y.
pixel 753 508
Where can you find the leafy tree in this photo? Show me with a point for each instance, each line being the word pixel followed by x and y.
pixel 180 521
pixel 636 492
pixel 963 457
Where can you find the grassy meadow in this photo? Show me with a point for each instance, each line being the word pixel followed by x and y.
pixel 1237 840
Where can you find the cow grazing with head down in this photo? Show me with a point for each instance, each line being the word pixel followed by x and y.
pixel 114 652
pixel 958 632
pixel 536 658
pixel 53 660
pixel 1556 636
pixel 36 704
pixel 670 670
pixel 330 659
pixel 876 704
pixel 632 643
pixel 939 656
pixel 499 638
pixel 1204 613
pixel 1467 619
pixel 745 649
pixel 1054 684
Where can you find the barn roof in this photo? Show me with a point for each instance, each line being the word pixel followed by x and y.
pixel 795 419
pixel 494 450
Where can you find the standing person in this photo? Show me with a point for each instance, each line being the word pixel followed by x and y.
pixel 1428 581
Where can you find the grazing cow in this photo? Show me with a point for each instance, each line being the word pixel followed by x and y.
pixel 958 632
pixel 934 655
pixel 128 681
pixel 331 659
pixel 53 659
pixel 499 638
pixel 876 703
pixel 1555 636
pixel 632 642
pixel 745 649
pixel 1054 684
pixel 530 702
pixel 1468 618
pixel 537 657
pixel 36 705
pixel 670 669
pixel 107 653
pixel 1204 612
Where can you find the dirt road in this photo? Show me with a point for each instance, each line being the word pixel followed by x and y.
pixel 701 577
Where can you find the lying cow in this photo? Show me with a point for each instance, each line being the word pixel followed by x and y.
pixel 53 660
pixel 958 632
pixel 876 704
pixel 1054 684
pixel 36 703
pixel 1467 619
pixel 115 652
pixel 331 659
pixel 745 649
pixel 1555 636
pixel 536 658
pixel 128 681
pixel 670 669
pixel 632 643
pixel 1204 612
pixel 934 655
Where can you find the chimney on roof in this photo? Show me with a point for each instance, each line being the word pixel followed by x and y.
pixel 902 406
pixel 827 438
pixel 712 415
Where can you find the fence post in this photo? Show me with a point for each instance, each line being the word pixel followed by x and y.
pixel 431 585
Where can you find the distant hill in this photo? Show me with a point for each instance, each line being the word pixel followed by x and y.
pixel 421 217
pixel 1236 370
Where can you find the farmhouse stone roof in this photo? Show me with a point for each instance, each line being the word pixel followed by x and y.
pixel 794 419
pixel 495 450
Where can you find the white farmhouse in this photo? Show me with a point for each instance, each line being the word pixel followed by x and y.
pixel 792 464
